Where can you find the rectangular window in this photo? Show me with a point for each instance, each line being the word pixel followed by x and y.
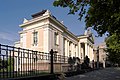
pixel 35 38
pixel 56 39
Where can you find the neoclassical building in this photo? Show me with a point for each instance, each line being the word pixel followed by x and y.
pixel 100 54
pixel 44 32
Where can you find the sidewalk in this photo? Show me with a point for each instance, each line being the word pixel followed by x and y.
pixel 104 74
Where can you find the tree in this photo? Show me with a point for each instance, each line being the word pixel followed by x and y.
pixel 74 63
pixel 113 43
pixel 71 63
pixel 87 60
pixel 102 15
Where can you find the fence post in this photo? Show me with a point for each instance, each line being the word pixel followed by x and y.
pixel 51 61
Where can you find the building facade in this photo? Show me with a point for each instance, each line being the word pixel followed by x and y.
pixel 44 32
pixel 100 55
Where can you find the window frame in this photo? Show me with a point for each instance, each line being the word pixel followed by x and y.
pixel 56 38
pixel 35 38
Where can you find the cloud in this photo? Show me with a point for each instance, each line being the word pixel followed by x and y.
pixel 8 37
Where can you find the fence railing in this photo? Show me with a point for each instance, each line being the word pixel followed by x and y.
pixel 19 62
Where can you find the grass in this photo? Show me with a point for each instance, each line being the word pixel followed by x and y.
pixel 21 74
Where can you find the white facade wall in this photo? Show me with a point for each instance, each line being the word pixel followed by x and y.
pixel 46 40
pixel 68 43
pixel 88 47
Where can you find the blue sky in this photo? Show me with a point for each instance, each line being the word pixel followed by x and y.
pixel 12 13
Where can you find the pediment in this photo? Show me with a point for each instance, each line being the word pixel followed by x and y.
pixel 91 38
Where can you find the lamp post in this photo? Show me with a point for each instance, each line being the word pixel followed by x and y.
pixel 51 60
pixel 98 57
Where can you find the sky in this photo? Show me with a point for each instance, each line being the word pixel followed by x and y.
pixel 12 13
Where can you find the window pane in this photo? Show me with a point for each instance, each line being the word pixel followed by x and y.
pixel 35 38
pixel 56 39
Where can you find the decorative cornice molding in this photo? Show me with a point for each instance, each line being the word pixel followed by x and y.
pixel 34 20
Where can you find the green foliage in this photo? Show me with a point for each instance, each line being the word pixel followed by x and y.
pixel 6 64
pixel 74 63
pixel 85 64
pixel 71 61
pixel 103 16
pixel 74 6
pixel 113 43
pixel 10 64
pixel 0 63
pixel 87 60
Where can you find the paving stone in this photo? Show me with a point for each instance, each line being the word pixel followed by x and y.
pixel 112 73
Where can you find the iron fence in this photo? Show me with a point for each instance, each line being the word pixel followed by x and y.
pixel 19 62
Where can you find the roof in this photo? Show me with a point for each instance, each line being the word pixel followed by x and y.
pixel 38 14
pixel 80 35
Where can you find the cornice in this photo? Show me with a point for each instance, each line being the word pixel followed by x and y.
pixel 50 17
pixel 64 28
pixel 34 20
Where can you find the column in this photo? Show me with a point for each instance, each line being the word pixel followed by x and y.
pixel 68 48
pixel 86 49
pixel 46 39
pixel 66 53
pixel 92 53
pixel 79 50
pixel 71 48
pixel 76 50
pixel 89 50
pixel 71 45
pixel 73 52
pixel 62 45
pixel 70 51
pixel 50 39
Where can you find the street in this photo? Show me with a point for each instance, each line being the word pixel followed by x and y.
pixel 103 74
